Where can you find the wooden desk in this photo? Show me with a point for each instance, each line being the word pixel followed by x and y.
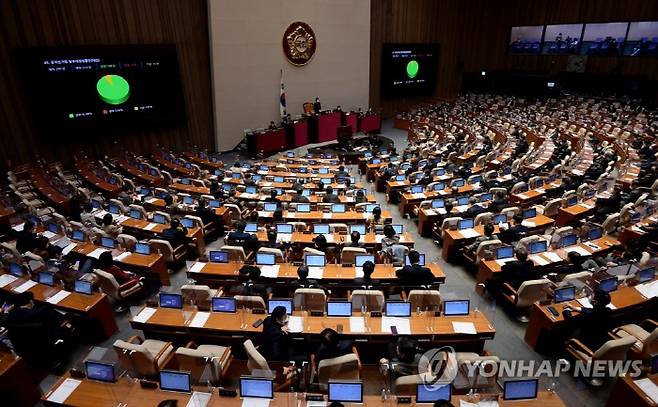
pixel 534 195
pixel 175 168
pixel 140 226
pixel 97 394
pixel 190 189
pixel 369 239
pixel 48 192
pixel 313 199
pixel 92 179
pixel 95 306
pixel 133 171
pixel 16 384
pixel 626 393
pixel 322 217
pixel 568 215
pixel 204 162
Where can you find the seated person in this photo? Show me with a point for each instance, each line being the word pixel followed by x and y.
pixel 516 231
pixel 238 236
pixel 488 235
pixel 375 220
pixel 360 197
pixel 86 217
pixel 273 197
pixel 592 324
pixel 299 197
pixel 331 346
pixel 499 202
pixel 302 279
pixel 320 243
pixel 254 285
pixel 355 236
pixel 518 271
pixel 109 227
pixel 395 253
pixel 275 340
pixel 390 237
pixel 403 357
pixel 415 274
pixel 474 209
pixel 175 234
pixel 272 241
pixel 206 214
pixel 367 281
pixel 329 196
pixel 106 263
pixel 26 239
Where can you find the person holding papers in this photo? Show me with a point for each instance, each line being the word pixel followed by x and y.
pixel 331 346
pixel 593 323
pixel 414 274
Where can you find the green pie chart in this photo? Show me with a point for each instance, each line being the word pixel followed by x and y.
pixel 412 69
pixel 113 89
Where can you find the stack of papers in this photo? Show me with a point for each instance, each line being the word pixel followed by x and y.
pixel 315 273
pixel 649 290
pixel 48 234
pixel 580 250
pixel 326 215
pixel 68 248
pixel 151 199
pixel 122 256
pixel 539 260
pixel 468 233
pixel 402 324
pixel 121 218
pixel 587 304
pixel 528 224
pixel 283 237
pixel 464 328
pixel 255 402
pixel 295 324
pixel 150 226
pixel 199 399
pixel 96 253
pixel 501 262
pixel 269 271
pixel 553 257
pixel 197 267
pixel 55 299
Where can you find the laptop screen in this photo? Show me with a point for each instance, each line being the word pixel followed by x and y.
pixel 15 269
pixel 398 309
pixel 537 247
pixel 168 300
pixel 520 389
pixel 143 248
pixel 303 207
pixel 358 228
pixel 315 260
pixel 438 203
pixel 430 394
pixel 188 200
pixel 107 242
pixel 359 259
pixel 187 222
pixel 609 284
pixel 339 309
pixel 78 235
pixel 421 260
pixel 265 259
pixel 251 189
pixel 529 213
pixel 466 224
pixel 251 227
pixel 159 219
pixel 565 294
pixel 256 387
pixel 113 209
pixel 53 228
pixel 505 252
pixel 498 219
pixel 271 206
pixel 103 372
pixel 284 302
pixel 175 381
pixel 457 307
pixel 223 304
pixel 398 229
pixel 462 200
pixel 284 228
pixel 646 274
pixel 486 197
pixel 595 233
pixel 572 201
pixel 135 214
pixel 338 208
pixel 416 189
pixel 218 256
pixel 346 392
pixel 47 278
pixel 400 177
pixel 458 183
pixel 82 287
pixel 439 186
pixel 569 240
pixel 320 229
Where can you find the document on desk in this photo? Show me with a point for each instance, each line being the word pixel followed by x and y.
pixel 55 299
pixel 357 325
pixel 19 227
pixel 96 253
pixel 648 387
pixel 64 390
pixel 587 304
pixel 199 320
pixel 528 224
pixel 580 250
pixel 68 248
pixel 379 238
pixel 315 273
pixel 522 196
pixel 284 237
pixel 464 328
pixel 316 404
pixel 540 261
pixel 145 314
pixel 649 290
pixel 553 257
pixel 501 262
pixel 330 238
pixel 402 324
pixel 196 267
pixel 150 226
pixel 255 402
pixel 295 324
pixel 463 403
pixel 269 271
pixel 461 208
pixel 358 271
pixel 199 399
pixel 151 200
pixel 48 234
pixel 430 212
pixel 121 218
pixel 25 286
pixel 469 233
pixel 122 256
pixel 6 279
pixel 327 215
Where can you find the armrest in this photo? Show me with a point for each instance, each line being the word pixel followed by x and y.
pixel 191 345
pixel 650 323
pixel 127 285
pixel 134 338
pixel 162 350
pixel 578 345
pixel 356 352
pixel 510 290
pixel 403 294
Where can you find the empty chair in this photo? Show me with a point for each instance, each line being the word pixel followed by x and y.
pixel 528 293
pixel 338 228
pixel 170 254
pixel 204 358
pixel 249 302
pixel 425 300
pixel 581 277
pixel 348 255
pixel 118 293
pixel 371 300
pixel 510 211
pixel 310 299
pixel 140 209
pixel 119 204
pixel 235 253
pixel 614 349
pixel 258 366
pixel 346 367
pixel 645 334
pixel 552 207
pixel 165 215
pixel 199 295
pixel 144 358
pixel 128 242
pixel 449 223
pixel 485 377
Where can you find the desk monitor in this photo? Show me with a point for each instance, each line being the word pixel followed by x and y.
pixel 78 235
pixel 320 229
pixel 466 224
pixel 278 179
pixel 185 181
pixel 15 269
pixel 537 247
pixel 323 170
pixel 338 208
pixel 565 294
pixel 251 227
pixel 187 222
pixel 107 242
pixel 113 209
pixel 486 197
pixel 417 189
pixel 303 207
pixel 421 260
pixel 359 259
pixel 595 233
pixel 153 172
pixel 100 371
pixel 505 252
pixel 462 200
pixel 283 302
pixel 315 260
pixel 256 177
pixel 456 307
pixel 83 287
pixel 96 204
pixel 475 180
pixel 398 229
pixel 498 219
pixel 569 240
pixel 236 175
pixel 251 189
pixel 440 171
pixel 47 278
pixel 256 387
pixel 432 393
pixel 306 192
pixel 143 248
pixel 376 161
pixel 271 206
pixel 135 214
pixel 398 309
pixel 52 227
pixel 170 300
pixel 572 201
pixel 265 259
pixel 325 180
pixel 400 177
pixel 284 228
pixel 223 304
pixel 358 228
pixel 529 213
pixel 371 207
pixel 520 389
pixel 646 274
pixel 171 380
pixel 339 308
pixel 218 256
pixel 438 203
pixel 159 219
pixel 608 285
pixel 345 392
pixel 144 191
pixel 439 186
pixel 459 182
pixel 188 200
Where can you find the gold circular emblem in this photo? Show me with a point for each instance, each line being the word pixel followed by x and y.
pixel 299 43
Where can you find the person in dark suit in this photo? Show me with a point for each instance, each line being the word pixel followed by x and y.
pixel 475 208
pixel 302 279
pixel 331 346
pixel 329 196
pixel 276 342
pixel 254 286
pixel 175 234
pixel 415 274
pixel 612 204
pixel 317 106
pixel 206 214
pixel 517 271
pixel 26 239
pixel 299 197
pixel 272 197
pixel 366 280
pixel 593 324
pixel 355 238
pixel 516 231
pixel 499 203
pixel 238 236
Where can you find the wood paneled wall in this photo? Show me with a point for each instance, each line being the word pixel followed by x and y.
pixel 473 35
pixel 88 22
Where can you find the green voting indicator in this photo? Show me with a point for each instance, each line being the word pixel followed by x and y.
pixel 412 69
pixel 113 89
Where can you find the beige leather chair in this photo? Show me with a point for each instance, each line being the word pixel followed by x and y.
pixel 310 250
pixel 373 300
pixel 235 253
pixel 449 224
pixel 346 367
pixel 484 380
pixel 249 302
pixel 143 358
pixel 166 216
pixel 140 209
pixel 614 349
pixel 258 366
pixel 310 299
pixel 112 289
pixel 486 250
pixel 170 254
pixel 128 242
pixel 482 218
pixel 609 225
pixel 348 254
pixel 204 362
pixel 338 228
pixel 528 293
pixel 645 334
pixel 424 300
pixel 119 204
pixel 199 295
pixel 278 254
pixel 581 276
pixel 552 207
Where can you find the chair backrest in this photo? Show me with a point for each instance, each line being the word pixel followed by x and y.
pixel 532 291
pixel 338 228
pixel 552 207
pixel 164 248
pixel 195 362
pixel 310 299
pixel 485 250
pixel 249 302
pixel 140 209
pixel 126 241
pixel 614 349
pixel 484 377
pixel 119 204
pixel 278 254
pixel 510 211
pixel 310 250
pixel 136 358
pixel 582 276
pixel 449 223
pixel 344 367
pixel 610 223
pixel 373 300
pixel 256 363
pixel 482 218
pixel 407 384
pixel 348 255
pixel 200 295
pixel 235 253
pixel 425 300
pixel 108 284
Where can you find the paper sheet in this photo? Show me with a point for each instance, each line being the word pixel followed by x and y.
pixel 122 256
pixel 587 304
pixel 379 238
pixel 316 404
pixel 19 227
pixel 357 325
pixel 580 250
pixel 522 196
pixel 358 271
pixel 96 253
pixel 648 387
pixel 55 299
pixel 315 273
pixel 68 248
pixel 461 208
pixel 649 290
pixel 199 320
pixel 528 224
pixel 150 200
pixel 25 286
pixel 502 262
pixel 64 390
pixel 330 238
pixel 464 403
pixel 199 399
pixel 6 279
pixel 283 237
pixel 540 261
pixel 269 271
pixel 197 267
pixel 402 324
pixel 295 324
pixel 145 314
pixel 150 226
pixel 48 234
pixel 464 328
pixel 327 215
pixel 469 233
pixel 121 218
pixel 255 402
pixel 553 257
